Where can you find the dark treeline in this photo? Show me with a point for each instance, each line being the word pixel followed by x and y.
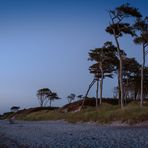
pixel 111 59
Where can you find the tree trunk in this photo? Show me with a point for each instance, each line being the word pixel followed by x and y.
pixel 142 76
pixel 126 88
pixel 41 101
pixel 119 92
pixel 69 100
pixel 135 93
pixel 97 93
pixel 120 71
pixel 121 83
pixel 50 102
pixel 120 65
pixel 137 96
pixel 90 86
pixel 101 89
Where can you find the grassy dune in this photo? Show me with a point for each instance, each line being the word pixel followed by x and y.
pixel 106 113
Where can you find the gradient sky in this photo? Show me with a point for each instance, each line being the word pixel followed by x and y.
pixel 45 43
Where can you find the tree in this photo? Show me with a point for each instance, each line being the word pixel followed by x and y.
pixel 130 76
pixel 117 71
pixel 90 86
pixel 117 28
pixel 45 95
pixel 104 65
pixel 145 88
pixel 42 95
pixel 71 97
pixel 141 27
pixel 105 58
pixel 52 96
pixel 80 97
pixel 14 108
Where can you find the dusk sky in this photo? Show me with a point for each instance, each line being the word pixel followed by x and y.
pixel 45 43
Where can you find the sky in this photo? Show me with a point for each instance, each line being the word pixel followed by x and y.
pixel 45 44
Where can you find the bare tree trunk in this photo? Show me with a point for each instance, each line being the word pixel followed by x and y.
pixel 120 71
pixel 137 95
pixel 90 86
pixel 97 93
pixel 69 100
pixel 121 83
pixel 101 89
pixel 142 76
pixel 41 101
pixel 119 92
pixel 120 65
pixel 41 104
pixel 46 101
pixel 50 102
pixel 126 91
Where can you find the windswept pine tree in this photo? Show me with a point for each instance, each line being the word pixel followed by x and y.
pixel 71 97
pixel 45 95
pixel 118 27
pixel 131 70
pixel 117 71
pixel 141 28
pixel 42 95
pixel 52 96
pixel 105 59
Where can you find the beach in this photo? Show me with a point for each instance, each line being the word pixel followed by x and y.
pixel 59 134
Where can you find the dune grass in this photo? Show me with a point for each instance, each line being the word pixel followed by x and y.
pixel 41 115
pixel 106 113
pixel 6 115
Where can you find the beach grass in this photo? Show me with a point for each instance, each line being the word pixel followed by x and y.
pixel 106 113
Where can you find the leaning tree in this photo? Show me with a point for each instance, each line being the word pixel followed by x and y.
pixel 104 65
pixel 71 97
pixel 45 95
pixel 52 96
pixel 118 27
pixel 42 95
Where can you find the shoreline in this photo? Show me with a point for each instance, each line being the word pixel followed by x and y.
pixel 59 133
pixel 111 124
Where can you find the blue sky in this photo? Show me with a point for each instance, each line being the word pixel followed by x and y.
pixel 45 43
